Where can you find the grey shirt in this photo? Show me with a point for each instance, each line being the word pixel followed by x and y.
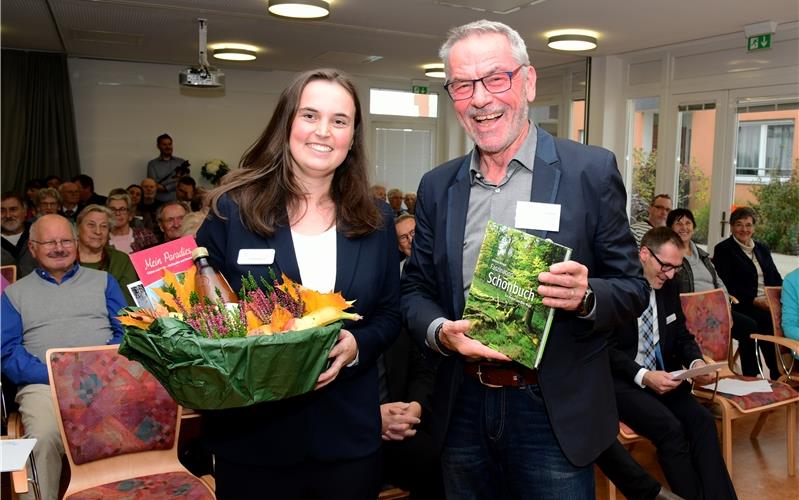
pixel 163 172
pixel 495 202
pixel 491 202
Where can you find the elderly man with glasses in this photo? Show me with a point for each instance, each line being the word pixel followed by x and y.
pixel 652 402
pixel 507 431
pixel 81 307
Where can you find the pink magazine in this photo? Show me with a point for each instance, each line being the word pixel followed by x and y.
pixel 150 264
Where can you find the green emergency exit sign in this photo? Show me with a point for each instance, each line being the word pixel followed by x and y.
pixel 418 89
pixel 758 42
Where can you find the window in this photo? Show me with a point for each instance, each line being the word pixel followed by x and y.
pixel 765 149
pixel 401 103
pixel 546 117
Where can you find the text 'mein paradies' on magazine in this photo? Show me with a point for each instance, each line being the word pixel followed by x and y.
pixel 503 305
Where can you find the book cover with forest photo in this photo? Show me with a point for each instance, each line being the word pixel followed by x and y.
pixel 503 305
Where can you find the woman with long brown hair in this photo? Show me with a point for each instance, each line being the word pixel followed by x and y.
pixel 302 191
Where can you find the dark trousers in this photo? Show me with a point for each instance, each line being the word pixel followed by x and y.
pixel 747 319
pixel 414 465
pixel 685 437
pixel 357 479
pixel 628 476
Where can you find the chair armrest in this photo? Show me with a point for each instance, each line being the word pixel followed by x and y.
pixel 785 342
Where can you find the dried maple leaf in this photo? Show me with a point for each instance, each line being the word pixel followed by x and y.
pixel 315 301
pixel 280 319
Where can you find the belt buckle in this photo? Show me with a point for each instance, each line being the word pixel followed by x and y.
pixel 480 378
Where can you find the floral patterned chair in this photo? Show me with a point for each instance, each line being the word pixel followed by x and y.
pixel 788 373
pixel 119 427
pixel 707 317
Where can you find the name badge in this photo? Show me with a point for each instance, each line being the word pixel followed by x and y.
pixel 671 318
pixel 256 256
pixel 537 216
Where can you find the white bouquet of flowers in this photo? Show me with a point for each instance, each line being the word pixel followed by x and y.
pixel 214 170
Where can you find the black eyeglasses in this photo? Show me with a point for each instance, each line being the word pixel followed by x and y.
pixel 495 83
pixel 665 268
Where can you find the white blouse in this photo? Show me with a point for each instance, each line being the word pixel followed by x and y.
pixel 316 258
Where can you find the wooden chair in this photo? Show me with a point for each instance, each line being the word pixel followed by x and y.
pixel 119 427
pixel 12 423
pixel 787 373
pixel 707 317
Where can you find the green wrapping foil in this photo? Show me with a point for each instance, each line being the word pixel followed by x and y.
pixel 214 374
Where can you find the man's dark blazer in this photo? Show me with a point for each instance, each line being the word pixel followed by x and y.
pixel 677 345
pixel 340 421
pixel 574 375
pixel 738 272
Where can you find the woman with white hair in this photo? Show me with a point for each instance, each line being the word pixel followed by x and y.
pixel 95 223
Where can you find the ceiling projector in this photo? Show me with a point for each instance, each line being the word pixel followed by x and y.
pixel 203 75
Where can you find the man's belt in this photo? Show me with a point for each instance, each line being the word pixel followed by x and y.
pixel 501 375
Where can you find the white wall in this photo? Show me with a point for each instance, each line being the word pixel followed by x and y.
pixel 121 107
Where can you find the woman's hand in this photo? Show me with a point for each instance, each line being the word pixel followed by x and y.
pixel 342 354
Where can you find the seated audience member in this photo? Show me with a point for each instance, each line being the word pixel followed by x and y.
pixel 87 194
pixel 192 222
pixel 658 210
pixel 395 201
pixel 123 237
pixel 379 192
pixel 31 188
pixel 61 304
pixel 48 201
pixel 70 200
pixel 94 225
pixel 53 181
pixel 15 235
pixel 136 193
pixel 746 266
pixel 139 220
pixel 410 458
pixel 149 204
pixel 406 230
pixel 699 275
pixel 187 191
pixel 790 306
pixel 648 399
pixel 410 202
pixel 170 217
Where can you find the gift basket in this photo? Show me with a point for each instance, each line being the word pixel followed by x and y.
pixel 210 353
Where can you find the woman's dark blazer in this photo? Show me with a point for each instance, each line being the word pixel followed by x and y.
pixel 738 272
pixel 342 420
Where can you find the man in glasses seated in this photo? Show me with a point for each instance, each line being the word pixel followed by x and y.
pixel 658 211
pixel 649 400
pixel 81 307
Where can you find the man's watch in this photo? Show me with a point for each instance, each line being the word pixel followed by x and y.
pixel 589 300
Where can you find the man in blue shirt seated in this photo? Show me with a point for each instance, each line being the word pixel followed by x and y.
pixel 81 307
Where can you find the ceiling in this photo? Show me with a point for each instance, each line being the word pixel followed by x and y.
pixel 405 34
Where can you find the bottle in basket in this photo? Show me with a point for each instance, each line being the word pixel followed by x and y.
pixel 209 282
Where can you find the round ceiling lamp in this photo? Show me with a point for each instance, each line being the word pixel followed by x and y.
pixel 435 70
pixel 572 40
pixel 299 9
pixel 238 53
